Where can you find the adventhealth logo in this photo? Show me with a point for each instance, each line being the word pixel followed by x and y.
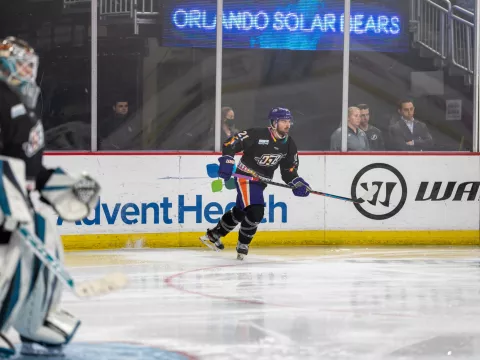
pixel 162 212
pixel 217 184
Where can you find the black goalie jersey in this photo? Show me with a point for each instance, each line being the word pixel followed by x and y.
pixel 21 134
pixel 263 153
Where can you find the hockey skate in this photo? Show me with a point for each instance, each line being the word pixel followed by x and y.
pixel 242 251
pixel 212 240
pixel 36 349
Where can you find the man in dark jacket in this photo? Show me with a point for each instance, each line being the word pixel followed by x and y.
pixel 120 130
pixel 374 135
pixel 409 134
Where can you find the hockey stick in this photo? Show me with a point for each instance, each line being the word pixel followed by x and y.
pixel 368 195
pixel 109 283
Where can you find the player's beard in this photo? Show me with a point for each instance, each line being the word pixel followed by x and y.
pixel 281 134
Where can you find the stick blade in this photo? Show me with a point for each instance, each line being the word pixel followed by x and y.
pixel 102 286
pixel 370 193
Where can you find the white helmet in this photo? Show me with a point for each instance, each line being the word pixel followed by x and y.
pixel 18 68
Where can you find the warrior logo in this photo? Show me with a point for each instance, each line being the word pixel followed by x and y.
pixel 393 190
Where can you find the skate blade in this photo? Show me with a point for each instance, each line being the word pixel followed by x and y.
pixel 240 256
pixel 206 241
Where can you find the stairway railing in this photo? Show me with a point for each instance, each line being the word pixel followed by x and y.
pixel 433 19
pixel 462 38
pixel 115 7
pixel 446 31
pixel 140 11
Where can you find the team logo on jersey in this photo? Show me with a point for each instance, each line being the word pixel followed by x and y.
pixel 36 140
pixel 269 159
pixel 374 137
pixel 18 110
pixel 263 142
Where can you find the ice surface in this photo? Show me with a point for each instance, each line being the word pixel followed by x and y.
pixel 313 303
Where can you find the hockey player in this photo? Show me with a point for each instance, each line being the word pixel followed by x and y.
pixel 30 293
pixel 264 150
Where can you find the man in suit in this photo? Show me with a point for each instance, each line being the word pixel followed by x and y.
pixel 409 134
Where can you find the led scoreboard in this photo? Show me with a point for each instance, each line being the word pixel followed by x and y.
pixel 295 25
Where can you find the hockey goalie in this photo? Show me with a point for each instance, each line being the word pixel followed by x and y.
pixel 29 291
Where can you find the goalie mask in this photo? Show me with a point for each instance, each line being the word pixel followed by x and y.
pixel 18 69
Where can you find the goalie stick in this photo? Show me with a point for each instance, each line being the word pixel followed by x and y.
pixel 101 286
pixel 367 196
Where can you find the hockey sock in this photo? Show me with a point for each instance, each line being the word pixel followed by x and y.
pixel 229 221
pixel 248 227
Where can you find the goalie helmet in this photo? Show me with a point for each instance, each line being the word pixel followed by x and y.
pixel 279 113
pixel 18 69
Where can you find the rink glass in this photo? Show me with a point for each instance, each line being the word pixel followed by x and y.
pixel 430 67
pixel 159 60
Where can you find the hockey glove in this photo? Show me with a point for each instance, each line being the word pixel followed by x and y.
pixel 73 198
pixel 300 187
pixel 226 167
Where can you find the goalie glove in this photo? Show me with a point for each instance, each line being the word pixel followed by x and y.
pixel 72 198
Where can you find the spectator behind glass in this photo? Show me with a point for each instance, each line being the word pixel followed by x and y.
pixel 356 137
pixel 409 134
pixel 114 131
pixel 228 123
pixel 374 135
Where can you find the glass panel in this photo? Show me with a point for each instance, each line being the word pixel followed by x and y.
pixel 155 91
pixel 59 33
pixel 414 94
pixel 277 54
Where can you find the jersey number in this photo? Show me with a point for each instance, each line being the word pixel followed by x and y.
pixel 242 135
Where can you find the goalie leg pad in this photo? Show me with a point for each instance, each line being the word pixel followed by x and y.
pixel 6 347
pixel 15 279
pixel 15 282
pixel 41 321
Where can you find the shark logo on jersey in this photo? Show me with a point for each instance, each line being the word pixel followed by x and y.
pixel 36 140
pixel 269 159
pixel 18 110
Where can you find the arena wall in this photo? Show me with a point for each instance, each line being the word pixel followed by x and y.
pixel 166 200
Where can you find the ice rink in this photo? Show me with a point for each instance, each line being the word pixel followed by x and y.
pixel 282 303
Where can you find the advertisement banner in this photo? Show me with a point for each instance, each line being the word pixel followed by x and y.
pixel 161 194
pixel 415 192
pixel 168 200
